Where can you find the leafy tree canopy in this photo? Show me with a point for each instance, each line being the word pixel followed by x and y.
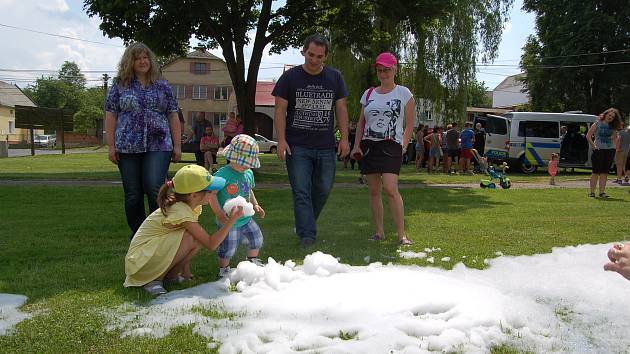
pixel 572 62
pixel 167 26
pixel 72 75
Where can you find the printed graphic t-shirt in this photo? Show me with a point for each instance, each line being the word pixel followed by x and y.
pixel 311 105
pixel 385 114
pixel 236 183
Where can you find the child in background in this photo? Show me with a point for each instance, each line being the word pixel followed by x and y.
pixel 419 146
pixel 435 149
pixel 170 237
pixel 242 152
pixel 552 169
pixel 209 145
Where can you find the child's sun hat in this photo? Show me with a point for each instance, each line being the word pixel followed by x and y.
pixel 243 150
pixel 194 178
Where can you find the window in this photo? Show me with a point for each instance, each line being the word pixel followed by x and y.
pixel 219 118
pixel 496 126
pixel 200 68
pixel 179 91
pixel 11 127
pixel 539 129
pixel 200 92
pixel 221 93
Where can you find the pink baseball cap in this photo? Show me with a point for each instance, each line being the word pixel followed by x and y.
pixel 386 59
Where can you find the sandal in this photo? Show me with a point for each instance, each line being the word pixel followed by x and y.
pixel 405 242
pixel 376 237
pixel 155 288
pixel 592 195
pixel 603 195
pixel 177 280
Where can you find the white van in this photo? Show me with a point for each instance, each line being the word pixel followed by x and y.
pixel 507 137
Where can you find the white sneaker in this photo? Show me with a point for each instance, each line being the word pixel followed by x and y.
pixel 155 288
pixel 224 272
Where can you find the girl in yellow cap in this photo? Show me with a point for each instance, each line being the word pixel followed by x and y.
pixel 170 237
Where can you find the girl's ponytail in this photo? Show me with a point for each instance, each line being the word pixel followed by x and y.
pixel 167 196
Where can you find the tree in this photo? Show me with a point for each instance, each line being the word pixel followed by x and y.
pixel 217 24
pixel 69 92
pixel 71 75
pixel 437 42
pixel 478 95
pixel 231 25
pixel 49 92
pixel 92 104
pixel 446 51
pixel 572 62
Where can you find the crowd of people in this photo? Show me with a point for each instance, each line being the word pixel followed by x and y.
pixel 144 136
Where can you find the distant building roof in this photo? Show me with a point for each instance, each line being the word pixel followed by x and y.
pixel 511 81
pixel 11 95
pixel 195 54
pixel 263 93
pixel 201 54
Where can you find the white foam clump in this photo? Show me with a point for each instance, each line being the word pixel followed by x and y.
pixel 323 265
pixel 10 315
pixel 557 302
pixel 248 208
pixel 412 254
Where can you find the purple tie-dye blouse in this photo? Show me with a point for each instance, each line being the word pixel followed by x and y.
pixel 142 116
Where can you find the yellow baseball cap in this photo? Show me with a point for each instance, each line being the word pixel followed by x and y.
pixel 194 178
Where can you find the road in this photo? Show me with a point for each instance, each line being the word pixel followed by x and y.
pixel 27 152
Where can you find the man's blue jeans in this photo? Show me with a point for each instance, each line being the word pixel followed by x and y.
pixel 311 174
pixel 142 174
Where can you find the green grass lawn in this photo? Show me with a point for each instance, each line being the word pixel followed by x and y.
pixel 95 166
pixel 63 247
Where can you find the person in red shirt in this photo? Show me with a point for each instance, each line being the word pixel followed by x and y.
pixel 209 145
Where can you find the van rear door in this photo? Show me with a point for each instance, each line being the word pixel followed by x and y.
pixel 497 138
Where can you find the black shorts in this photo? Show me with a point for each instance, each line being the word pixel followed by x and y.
pixel 453 152
pixel 601 160
pixel 383 156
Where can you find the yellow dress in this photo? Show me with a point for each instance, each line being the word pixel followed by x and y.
pixel 155 244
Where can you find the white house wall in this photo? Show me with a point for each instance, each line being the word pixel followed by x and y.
pixel 509 97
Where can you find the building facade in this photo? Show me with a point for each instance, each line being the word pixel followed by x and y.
pixel 201 83
pixel 10 96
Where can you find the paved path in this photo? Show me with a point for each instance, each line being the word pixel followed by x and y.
pixel 565 184
pixel 27 152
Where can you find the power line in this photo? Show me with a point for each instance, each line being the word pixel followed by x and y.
pixel 59 35
pixel 115 71
pixel 586 54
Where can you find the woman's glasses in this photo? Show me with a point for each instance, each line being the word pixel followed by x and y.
pixel 384 70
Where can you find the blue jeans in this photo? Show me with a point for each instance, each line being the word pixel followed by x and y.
pixel 199 154
pixel 141 174
pixel 311 174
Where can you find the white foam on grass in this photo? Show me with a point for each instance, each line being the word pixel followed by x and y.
pixel 10 315
pixel 562 302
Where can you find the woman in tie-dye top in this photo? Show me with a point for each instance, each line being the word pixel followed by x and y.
pixel 143 130
pixel 605 131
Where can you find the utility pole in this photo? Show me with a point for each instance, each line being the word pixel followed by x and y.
pixel 100 125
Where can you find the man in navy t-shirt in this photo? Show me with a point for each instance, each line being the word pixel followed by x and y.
pixel 308 98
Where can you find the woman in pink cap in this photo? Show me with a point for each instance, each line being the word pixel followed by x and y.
pixel 384 129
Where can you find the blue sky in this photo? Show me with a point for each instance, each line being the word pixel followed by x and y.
pixel 36 52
